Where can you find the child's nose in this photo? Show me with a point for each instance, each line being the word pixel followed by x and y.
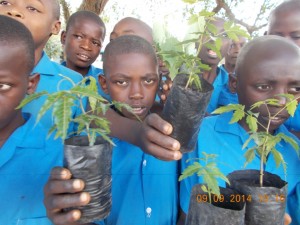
pixel 136 92
pixel 85 44
pixel 15 13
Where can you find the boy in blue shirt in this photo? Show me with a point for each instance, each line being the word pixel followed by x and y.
pixel 227 94
pixel 26 155
pixel 42 19
pixel 217 76
pixel 82 41
pixel 284 21
pixel 144 189
pixel 262 73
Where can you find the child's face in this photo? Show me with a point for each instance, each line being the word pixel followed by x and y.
pixel 234 48
pixel 14 84
pixel 128 27
pixel 287 25
pixel 82 43
pixel 132 79
pixel 37 15
pixel 208 56
pixel 267 77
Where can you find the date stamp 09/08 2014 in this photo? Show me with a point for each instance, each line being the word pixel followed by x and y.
pixel 236 198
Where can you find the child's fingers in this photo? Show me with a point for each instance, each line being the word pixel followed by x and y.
pixel 155 121
pixel 60 173
pixel 163 153
pixel 59 202
pixel 63 186
pixel 64 218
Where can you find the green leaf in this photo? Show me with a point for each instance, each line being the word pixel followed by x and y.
pixel 249 155
pixel 190 170
pixel 62 112
pixel 252 123
pixel 228 108
pixel 290 140
pixel 237 116
pixel 49 102
pixel 291 107
pixel 190 1
pixel 31 97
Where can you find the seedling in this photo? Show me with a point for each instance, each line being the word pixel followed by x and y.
pixel 209 171
pixel 265 142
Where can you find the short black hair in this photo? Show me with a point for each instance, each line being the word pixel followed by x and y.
pixel 128 44
pixel 56 8
pixel 86 15
pixel 267 44
pixel 12 32
pixel 290 5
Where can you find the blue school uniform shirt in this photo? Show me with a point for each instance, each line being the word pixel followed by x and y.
pixel 217 136
pixel 95 72
pixel 51 82
pixel 144 189
pixel 26 159
pixel 226 97
pixel 293 123
pixel 219 84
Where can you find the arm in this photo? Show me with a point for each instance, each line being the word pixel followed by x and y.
pixel 63 192
pixel 151 135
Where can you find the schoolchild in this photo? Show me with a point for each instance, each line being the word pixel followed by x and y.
pixel 217 76
pixel 82 41
pixel 262 73
pixel 227 94
pixel 42 19
pixel 26 155
pixel 144 188
pixel 134 26
pixel 284 21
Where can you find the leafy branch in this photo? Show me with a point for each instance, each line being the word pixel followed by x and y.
pixel 265 142
pixel 76 98
pixel 209 171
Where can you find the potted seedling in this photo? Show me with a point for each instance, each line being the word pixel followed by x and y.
pixel 268 191
pixel 88 151
pixel 209 203
pixel 190 94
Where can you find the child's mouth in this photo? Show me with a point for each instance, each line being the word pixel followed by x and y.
pixel 83 57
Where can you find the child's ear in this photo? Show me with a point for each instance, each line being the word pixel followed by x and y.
pixel 102 82
pixel 63 37
pixel 56 27
pixel 32 83
pixel 232 83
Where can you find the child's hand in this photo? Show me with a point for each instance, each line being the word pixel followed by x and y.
pixel 287 219
pixel 164 89
pixel 155 140
pixel 63 192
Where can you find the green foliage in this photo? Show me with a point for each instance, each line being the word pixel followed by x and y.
pixel 182 55
pixel 62 103
pixel 265 142
pixel 208 170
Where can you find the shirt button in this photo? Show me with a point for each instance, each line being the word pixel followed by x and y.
pixel 148 211
pixel 145 162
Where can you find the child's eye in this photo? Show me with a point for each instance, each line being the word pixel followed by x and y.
pixel 78 36
pixel 263 87
pixel 4 87
pixel 32 9
pixel 121 82
pixel 96 43
pixel 294 90
pixel 149 81
pixel 4 3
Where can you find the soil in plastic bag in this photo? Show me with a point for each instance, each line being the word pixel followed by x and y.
pixel 185 109
pixel 267 205
pixel 93 165
pixel 228 208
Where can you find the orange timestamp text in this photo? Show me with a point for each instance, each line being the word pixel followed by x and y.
pixel 236 198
